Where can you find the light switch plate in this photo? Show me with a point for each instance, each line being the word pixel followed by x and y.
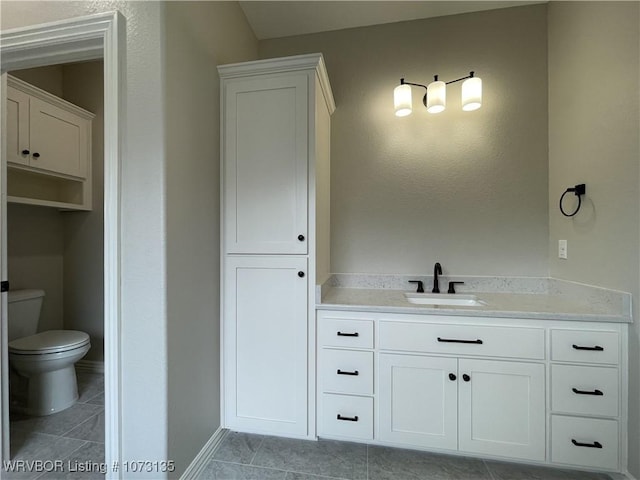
pixel 562 249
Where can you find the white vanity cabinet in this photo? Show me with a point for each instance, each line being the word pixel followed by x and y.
pixel 275 205
pixel 418 400
pixel 48 149
pixel 453 402
pixel 541 391
pixel 345 378
pixel 501 408
pixel 586 390
pixel 478 406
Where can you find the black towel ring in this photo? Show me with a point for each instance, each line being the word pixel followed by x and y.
pixel 578 190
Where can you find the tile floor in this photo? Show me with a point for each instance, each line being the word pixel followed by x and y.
pixel 75 435
pixel 252 457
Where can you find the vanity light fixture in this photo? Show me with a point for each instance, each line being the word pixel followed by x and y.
pixel 435 98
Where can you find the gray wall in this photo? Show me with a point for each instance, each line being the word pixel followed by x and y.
pixel 143 310
pixel 467 189
pixel 84 231
pixel 170 215
pixel 35 258
pixel 200 35
pixel 594 135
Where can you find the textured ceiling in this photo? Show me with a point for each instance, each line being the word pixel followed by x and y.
pixel 273 19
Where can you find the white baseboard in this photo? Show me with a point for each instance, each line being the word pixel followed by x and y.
pixel 90 366
pixel 200 462
pixel 622 476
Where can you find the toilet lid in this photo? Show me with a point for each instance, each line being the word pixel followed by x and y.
pixel 51 341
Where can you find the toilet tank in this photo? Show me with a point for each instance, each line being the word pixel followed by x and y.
pixel 24 312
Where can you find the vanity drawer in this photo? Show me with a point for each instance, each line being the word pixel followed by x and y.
pixel 596 439
pixel 345 332
pixel 585 390
pixel 347 371
pixel 347 416
pixel 463 339
pixel 590 346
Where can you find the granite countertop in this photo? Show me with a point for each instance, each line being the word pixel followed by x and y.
pixel 581 303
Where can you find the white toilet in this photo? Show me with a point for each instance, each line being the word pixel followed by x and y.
pixel 47 359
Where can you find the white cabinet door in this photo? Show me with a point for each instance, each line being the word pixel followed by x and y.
pixel 502 408
pixel 418 400
pixel 266 164
pixel 58 139
pixel 265 344
pixel 17 126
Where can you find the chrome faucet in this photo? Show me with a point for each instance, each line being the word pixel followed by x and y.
pixel 437 270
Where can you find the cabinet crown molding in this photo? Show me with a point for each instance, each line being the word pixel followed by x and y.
pixel 48 97
pixel 312 61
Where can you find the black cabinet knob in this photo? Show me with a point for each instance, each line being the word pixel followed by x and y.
pixel 452 377
pixel 25 152
pixel 36 155
pixel 301 274
pixel 301 237
pixel 466 377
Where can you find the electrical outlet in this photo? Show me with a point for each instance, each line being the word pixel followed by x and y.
pixel 562 249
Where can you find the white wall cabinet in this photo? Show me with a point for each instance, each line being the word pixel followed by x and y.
pixel 540 391
pixel 274 173
pixel 48 149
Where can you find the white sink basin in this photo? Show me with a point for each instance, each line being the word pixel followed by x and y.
pixel 455 300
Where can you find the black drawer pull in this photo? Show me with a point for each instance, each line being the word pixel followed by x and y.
pixel 454 340
pixel 584 392
pixel 354 373
pixel 588 445
pixel 25 152
pixel 356 334
pixel 452 377
pixel 597 348
pixel 348 419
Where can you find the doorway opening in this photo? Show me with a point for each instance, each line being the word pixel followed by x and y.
pixel 82 39
pixel 58 252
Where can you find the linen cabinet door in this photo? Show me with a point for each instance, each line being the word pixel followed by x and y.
pixel 17 127
pixel 418 400
pixel 266 164
pixel 59 139
pixel 265 344
pixel 502 408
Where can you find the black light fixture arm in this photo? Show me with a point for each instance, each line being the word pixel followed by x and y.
pixel 424 99
pixel 435 79
pixel 459 79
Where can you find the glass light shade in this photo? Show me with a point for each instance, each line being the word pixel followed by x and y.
pixel 402 100
pixel 436 97
pixel 471 94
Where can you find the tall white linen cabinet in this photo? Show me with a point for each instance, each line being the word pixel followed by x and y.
pixel 275 134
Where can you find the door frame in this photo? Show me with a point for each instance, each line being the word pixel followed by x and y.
pixel 83 38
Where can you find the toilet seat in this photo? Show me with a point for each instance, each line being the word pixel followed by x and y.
pixel 52 341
